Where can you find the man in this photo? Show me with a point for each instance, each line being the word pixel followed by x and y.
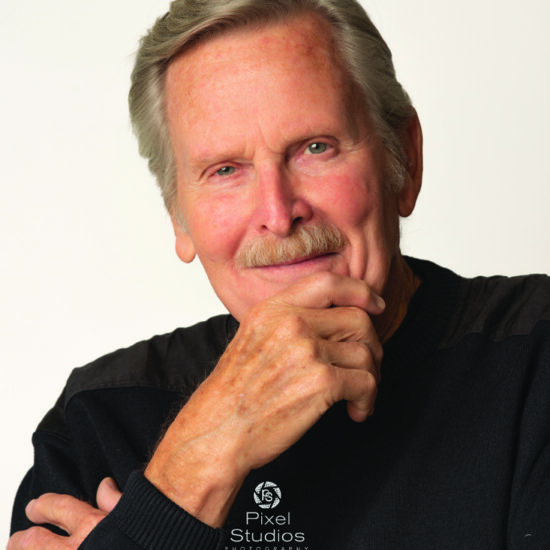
pixel 286 151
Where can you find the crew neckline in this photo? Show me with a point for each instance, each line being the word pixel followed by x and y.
pixel 429 313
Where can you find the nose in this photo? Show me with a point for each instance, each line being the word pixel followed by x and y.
pixel 279 206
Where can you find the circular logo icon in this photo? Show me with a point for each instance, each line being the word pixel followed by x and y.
pixel 267 495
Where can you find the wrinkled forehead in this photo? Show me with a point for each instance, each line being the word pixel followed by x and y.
pixel 309 31
pixel 307 37
pixel 202 79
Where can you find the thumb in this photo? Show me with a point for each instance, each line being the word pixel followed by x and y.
pixel 108 495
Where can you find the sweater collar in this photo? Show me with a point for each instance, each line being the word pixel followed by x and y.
pixel 429 313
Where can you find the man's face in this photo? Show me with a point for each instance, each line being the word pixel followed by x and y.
pixel 268 140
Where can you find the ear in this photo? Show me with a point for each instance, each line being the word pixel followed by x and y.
pixel 185 249
pixel 406 198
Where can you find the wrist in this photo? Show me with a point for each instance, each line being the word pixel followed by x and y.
pixel 198 477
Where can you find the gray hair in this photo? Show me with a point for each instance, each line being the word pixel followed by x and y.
pixel 364 52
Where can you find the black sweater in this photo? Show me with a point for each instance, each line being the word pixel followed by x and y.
pixel 456 456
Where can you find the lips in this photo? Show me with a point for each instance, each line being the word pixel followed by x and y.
pixel 301 260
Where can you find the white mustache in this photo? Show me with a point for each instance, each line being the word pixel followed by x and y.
pixel 305 242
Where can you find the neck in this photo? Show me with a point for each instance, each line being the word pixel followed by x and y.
pixel 400 288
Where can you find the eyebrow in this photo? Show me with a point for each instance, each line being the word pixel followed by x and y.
pixel 201 162
pixel 206 158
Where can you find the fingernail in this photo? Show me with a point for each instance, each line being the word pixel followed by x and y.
pixel 30 506
pixel 379 301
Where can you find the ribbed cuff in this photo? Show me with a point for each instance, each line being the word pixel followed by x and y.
pixel 155 522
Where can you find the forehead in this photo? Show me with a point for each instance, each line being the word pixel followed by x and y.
pixel 292 48
pixel 307 35
pixel 275 83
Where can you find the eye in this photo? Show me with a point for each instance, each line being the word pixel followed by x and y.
pixel 317 148
pixel 225 171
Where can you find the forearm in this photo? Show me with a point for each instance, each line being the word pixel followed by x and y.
pixel 198 464
pixel 288 363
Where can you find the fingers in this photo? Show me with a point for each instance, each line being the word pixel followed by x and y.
pixel 39 538
pixel 323 290
pixel 357 376
pixel 344 335
pixel 60 510
pixel 75 517
pixel 351 355
pixel 360 390
pixel 344 324
pixel 359 411
pixel 108 495
pixel 347 338
pixel 66 512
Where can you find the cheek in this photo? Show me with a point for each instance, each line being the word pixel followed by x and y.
pixel 347 200
pixel 215 228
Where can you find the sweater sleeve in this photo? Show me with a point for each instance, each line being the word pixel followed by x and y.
pixel 54 470
pixel 145 519
pixel 529 524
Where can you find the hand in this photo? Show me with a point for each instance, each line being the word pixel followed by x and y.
pixel 68 513
pixel 294 356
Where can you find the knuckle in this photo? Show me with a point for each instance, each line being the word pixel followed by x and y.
pixel 293 323
pixel 283 322
pixel 48 501
pixel 362 290
pixel 59 505
pixel 373 353
pixel 364 354
pixel 324 377
pixel 360 317
pixel 304 351
pixel 324 282
pixel 41 502
pixel 367 386
pixel 376 350
pixel 324 278
pixel 371 385
pixel 291 326
pixel 360 322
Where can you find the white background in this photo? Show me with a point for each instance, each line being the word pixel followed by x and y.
pixel 87 262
